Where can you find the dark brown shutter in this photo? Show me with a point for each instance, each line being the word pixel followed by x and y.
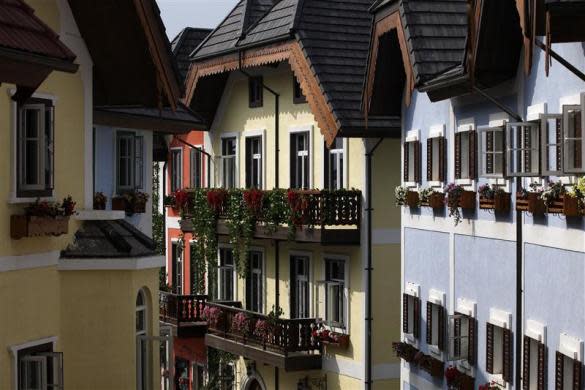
pixel 472 155
pixel 416 318
pixel 429 323
pixel 457 335
pixel 406 157
pixel 559 141
pixel 417 161
pixel 525 130
pixel 577 375
pixel 429 159
pixel 293 161
pixel 489 348
pixel 442 158
pixel 457 155
pixel 578 144
pixel 471 341
pixel 559 371
pixel 526 364
pixel 504 151
pixel 507 358
pixel 541 366
pixel 441 328
pixel 489 147
pixel 405 313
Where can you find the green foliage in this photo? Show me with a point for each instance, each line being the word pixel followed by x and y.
pixel 241 224
pixel 400 196
pixel 158 225
pixel 276 210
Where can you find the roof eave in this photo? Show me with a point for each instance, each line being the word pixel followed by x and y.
pixel 59 64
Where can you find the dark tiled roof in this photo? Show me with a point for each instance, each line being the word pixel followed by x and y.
pixel 275 24
pixel 109 239
pixel 255 9
pixel 184 44
pixel 181 114
pixel 21 30
pixel 436 33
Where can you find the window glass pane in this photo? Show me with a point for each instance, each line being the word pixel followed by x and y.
pixel 411 161
pixel 573 140
pixel 139 162
pixel 31 162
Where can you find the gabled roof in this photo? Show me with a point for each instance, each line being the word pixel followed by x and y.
pixel 184 44
pixel 278 23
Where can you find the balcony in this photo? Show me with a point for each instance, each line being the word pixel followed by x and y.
pixel 283 343
pixel 185 312
pixel 323 217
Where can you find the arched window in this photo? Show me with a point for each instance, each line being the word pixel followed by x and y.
pixel 142 355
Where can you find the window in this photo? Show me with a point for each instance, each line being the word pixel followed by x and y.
pixel 226 274
pixel 499 351
pixel 436 158
pixel 298 96
pixel 227 376
pixel 196 167
pixel 465 155
pixel 411 315
pixel 522 152
pixel 435 325
pixel 177 267
pixel 551 144
pixel 35 138
pixel 533 364
pixel 199 376
pixel 334 169
pixel 39 368
pixel 228 162
pixel 300 160
pixel 142 369
pixel 335 292
pixel 568 372
pixel 299 284
pixel 255 282
pixel 462 338
pixel 254 162
pixel 255 92
pixel 574 140
pixel 130 160
pixel 411 162
pixel 176 169
pixel 492 148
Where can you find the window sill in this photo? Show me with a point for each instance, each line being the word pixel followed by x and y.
pixel 13 199
pixel 436 184
pixel 411 184
pixel 435 352
pixel 498 380
pixel 100 215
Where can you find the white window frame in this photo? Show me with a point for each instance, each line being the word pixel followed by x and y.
pixel 173 168
pixel 223 136
pixel 312 303
pixel 234 273
pixel 14 349
pixel 262 251
pixel 202 179
pixel 436 132
pixel 412 290
pixel 346 317
pixel 438 298
pixel 181 263
pixel 411 136
pixel 501 320
pixel 135 135
pixel 262 134
pixel 566 139
pixel 466 126
pixel 311 151
pixel 469 308
pixel 510 150
pixel 545 146
pixel 345 151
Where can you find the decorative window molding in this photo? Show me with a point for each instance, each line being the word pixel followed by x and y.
pixel 228 164
pixel 301 156
pixel 499 348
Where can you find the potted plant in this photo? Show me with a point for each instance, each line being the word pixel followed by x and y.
pixel 254 200
pixel 494 198
pixel 432 198
pixel 400 196
pixel 405 351
pixel 99 201
pixel 455 195
pixel 552 197
pixel 42 219
pixel 241 324
pixel 214 317
pixel 412 199
pixel 133 202
pixel 531 201
pixel 456 380
pixel 328 337
pixel 432 366
pixel 574 200
pixel 216 199
pixel 262 330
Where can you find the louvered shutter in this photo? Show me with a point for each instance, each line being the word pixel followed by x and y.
pixel 416 318
pixel 429 323
pixel 525 130
pixel 577 375
pixel 541 367
pixel 559 142
pixel 458 155
pixel 293 161
pixel 471 341
pixel 559 371
pixel 456 337
pixel 442 158
pixel 472 155
pixel 504 152
pixel 417 162
pixel 489 148
pixel 405 313
pixel 441 328
pixel 507 358
pixel 406 157
pixel 578 144
pixel 526 364
pixel 429 159
pixel 489 348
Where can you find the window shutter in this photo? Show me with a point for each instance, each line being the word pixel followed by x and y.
pixel 406 157
pixel 525 131
pixel 248 162
pixel 541 366
pixel 489 348
pixel 504 152
pixel 417 161
pixel 578 144
pixel 559 141
pixel 489 147
pixel 457 335
pixel 472 155
pixel 429 159
pixel 429 323
pixel 471 341
pixel 526 364
pixel 507 358
pixel 416 318
pixel 457 155
pixel 559 371
pixel 404 313
pixel 441 328
pixel 442 158
pixel 293 161
pixel 577 375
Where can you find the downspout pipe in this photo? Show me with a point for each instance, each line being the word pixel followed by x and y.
pixel 369 266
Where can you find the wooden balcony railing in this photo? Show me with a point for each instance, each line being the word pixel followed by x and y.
pixel 278 335
pixel 180 309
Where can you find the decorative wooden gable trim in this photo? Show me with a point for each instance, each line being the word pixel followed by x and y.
pixel 380 28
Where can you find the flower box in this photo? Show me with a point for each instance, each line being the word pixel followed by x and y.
pixel 31 226
pixel 500 202
pixel 572 206
pixel 139 208
pixel 556 206
pixel 467 200
pixel 432 366
pixel 119 203
pixel 341 341
pixel 405 351
pixel 412 199
pixel 99 205
pixel 437 200
pixel 535 203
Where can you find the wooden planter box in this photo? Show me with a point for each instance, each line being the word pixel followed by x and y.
pixel 139 208
pixel 412 198
pixel 432 366
pixel 405 351
pixel 99 206
pixel 23 226
pixel 535 204
pixel 556 207
pixel 343 342
pixel 467 200
pixel 437 200
pixel 571 206
pixel 500 203
pixel 464 382
pixel 119 204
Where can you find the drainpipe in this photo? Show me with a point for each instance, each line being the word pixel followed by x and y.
pixel 164 211
pixel 369 268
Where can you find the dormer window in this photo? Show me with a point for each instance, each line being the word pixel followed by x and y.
pixel 255 92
